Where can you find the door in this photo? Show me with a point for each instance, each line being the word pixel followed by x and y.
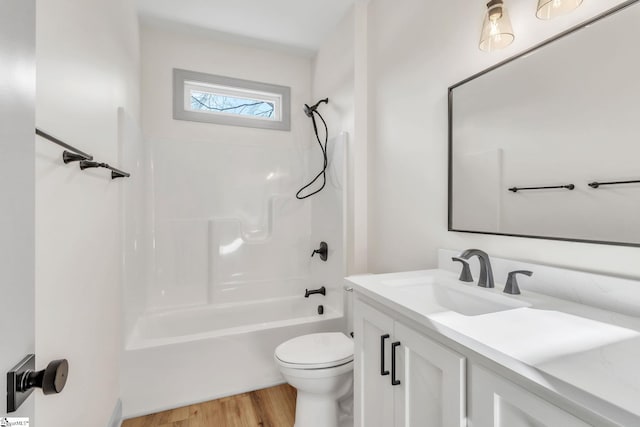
pixel 17 190
pixel 373 334
pixel 432 382
pixel 496 402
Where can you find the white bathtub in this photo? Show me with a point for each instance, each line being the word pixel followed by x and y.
pixel 175 358
pixel 176 326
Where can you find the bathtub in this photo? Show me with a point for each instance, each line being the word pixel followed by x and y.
pixel 179 357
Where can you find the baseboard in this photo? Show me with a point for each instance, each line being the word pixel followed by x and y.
pixel 116 416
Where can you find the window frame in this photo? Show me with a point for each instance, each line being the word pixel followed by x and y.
pixel 184 81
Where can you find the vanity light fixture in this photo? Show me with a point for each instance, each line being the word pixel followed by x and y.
pixel 497 32
pixel 548 9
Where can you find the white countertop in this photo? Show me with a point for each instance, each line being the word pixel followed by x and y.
pixel 588 355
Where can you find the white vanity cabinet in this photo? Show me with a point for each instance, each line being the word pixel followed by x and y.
pixel 497 402
pixel 469 356
pixel 402 377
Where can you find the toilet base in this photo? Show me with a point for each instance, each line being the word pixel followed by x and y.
pixel 346 410
pixel 315 410
pixel 328 406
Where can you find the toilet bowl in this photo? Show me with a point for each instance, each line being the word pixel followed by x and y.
pixel 320 367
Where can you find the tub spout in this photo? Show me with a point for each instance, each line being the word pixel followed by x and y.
pixel 308 292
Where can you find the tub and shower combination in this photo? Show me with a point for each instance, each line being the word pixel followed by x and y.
pixel 211 294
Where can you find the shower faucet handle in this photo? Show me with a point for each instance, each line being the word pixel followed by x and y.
pixel 323 251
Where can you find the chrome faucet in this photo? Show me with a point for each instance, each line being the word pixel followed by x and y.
pixel 486 273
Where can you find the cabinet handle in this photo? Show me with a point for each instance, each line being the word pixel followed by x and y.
pixel 394 381
pixel 383 372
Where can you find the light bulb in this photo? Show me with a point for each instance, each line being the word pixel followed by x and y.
pixel 497 32
pixel 548 9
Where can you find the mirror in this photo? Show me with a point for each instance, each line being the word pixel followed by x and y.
pixel 528 136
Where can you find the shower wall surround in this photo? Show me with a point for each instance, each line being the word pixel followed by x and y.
pixel 216 219
pixel 137 218
pixel 226 226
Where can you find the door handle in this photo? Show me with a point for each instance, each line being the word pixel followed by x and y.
pixel 51 379
pixel 394 381
pixel 23 378
pixel 383 372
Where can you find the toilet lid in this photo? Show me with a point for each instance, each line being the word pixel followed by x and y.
pixel 316 351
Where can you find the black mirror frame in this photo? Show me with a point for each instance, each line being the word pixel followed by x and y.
pixel 450 227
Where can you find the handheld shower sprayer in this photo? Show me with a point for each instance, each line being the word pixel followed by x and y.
pixel 312 111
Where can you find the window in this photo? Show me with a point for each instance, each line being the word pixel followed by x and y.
pixel 209 98
pixel 226 100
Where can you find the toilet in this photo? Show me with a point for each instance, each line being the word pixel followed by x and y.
pixel 320 367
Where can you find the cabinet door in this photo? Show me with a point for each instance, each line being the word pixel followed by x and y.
pixel 432 382
pixel 497 402
pixel 373 393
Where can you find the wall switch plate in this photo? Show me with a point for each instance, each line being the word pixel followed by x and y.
pixel 16 398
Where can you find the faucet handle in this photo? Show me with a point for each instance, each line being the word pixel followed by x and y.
pixel 465 274
pixel 512 282
pixel 323 251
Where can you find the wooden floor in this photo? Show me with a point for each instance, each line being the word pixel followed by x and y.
pixel 270 407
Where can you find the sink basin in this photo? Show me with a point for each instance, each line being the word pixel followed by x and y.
pixel 435 291
pixel 434 297
pixel 409 281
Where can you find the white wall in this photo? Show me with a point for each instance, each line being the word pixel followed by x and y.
pixel 17 178
pixel 333 76
pixel 165 46
pixel 87 67
pixel 415 53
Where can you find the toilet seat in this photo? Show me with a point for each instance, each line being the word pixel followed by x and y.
pixel 315 351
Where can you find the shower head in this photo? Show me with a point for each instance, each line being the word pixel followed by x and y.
pixel 309 110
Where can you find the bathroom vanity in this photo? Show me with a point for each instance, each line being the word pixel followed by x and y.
pixel 432 350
